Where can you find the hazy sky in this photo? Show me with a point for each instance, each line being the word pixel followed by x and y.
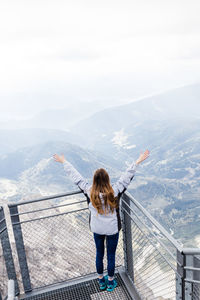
pixel 54 52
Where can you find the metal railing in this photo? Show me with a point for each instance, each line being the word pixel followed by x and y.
pixel 7 268
pixel 11 290
pixel 3 272
pixel 192 273
pixel 155 262
pixel 53 240
pixel 54 244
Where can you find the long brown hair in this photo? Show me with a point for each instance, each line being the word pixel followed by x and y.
pixel 101 184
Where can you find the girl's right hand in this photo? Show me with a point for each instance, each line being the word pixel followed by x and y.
pixel 59 158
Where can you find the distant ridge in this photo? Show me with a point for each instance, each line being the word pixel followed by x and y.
pixel 179 103
pixel 12 140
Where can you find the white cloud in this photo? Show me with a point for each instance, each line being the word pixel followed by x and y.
pixel 120 138
pixel 51 51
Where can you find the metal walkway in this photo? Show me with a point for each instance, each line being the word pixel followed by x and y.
pixel 85 289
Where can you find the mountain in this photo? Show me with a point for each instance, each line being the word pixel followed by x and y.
pixel 178 104
pixel 61 119
pixel 32 171
pixel 168 184
pixel 12 140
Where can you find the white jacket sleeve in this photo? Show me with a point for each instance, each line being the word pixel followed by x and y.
pixel 76 177
pixel 123 182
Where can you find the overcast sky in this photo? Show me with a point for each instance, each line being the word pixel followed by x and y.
pixel 56 52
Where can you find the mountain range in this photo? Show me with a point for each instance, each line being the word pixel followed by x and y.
pixel 181 104
pixel 62 119
pixel 32 171
pixel 167 184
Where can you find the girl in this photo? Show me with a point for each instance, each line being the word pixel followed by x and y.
pixel 103 200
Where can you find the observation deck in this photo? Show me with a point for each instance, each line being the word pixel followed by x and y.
pixel 47 252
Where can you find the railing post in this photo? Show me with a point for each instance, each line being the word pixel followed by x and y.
pixel 127 238
pixel 11 290
pixel 196 276
pixel 20 248
pixel 7 252
pixel 180 290
pixel 185 267
pixel 189 275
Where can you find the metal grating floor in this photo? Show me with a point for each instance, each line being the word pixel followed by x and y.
pixel 88 290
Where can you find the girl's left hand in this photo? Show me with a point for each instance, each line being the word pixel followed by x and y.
pixel 59 158
pixel 142 157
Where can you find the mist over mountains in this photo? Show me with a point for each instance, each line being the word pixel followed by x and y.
pixel 169 125
pixel 13 140
pixel 176 105
pixel 61 119
pixel 168 184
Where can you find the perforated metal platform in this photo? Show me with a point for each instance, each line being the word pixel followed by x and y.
pixel 88 290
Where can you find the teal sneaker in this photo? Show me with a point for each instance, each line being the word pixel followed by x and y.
pixel 111 287
pixel 103 285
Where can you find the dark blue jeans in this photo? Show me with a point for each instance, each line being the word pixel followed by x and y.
pixel 111 244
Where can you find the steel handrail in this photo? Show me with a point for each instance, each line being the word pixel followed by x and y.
pixel 50 216
pixel 45 198
pixel 155 223
pixel 191 251
pixel 169 263
pixel 151 232
pixel 192 268
pixel 47 208
pixel 192 280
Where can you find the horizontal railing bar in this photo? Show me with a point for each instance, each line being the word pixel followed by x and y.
pixel 2 220
pixel 154 222
pixel 51 207
pixel 45 198
pixel 152 243
pixel 47 217
pixel 192 268
pixel 139 246
pixel 163 291
pixel 139 238
pixel 151 231
pixel 154 281
pixel 139 262
pixel 192 280
pixel 191 251
pixel 140 241
pixel 135 233
pixel 144 271
pixel 65 283
pixel 3 230
pixel 146 267
pixel 171 294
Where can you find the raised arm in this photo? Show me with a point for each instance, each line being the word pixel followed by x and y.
pixel 123 182
pixel 73 174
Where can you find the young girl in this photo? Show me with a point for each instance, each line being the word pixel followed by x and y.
pixel 103 200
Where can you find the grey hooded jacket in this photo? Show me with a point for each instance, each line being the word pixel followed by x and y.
pixel 109 223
